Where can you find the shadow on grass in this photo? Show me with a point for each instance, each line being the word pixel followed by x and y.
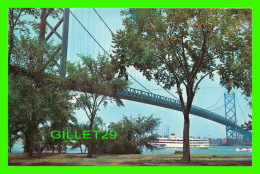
pixel 43 164
pixel 25 156
pixel 181 163
pixel 155 163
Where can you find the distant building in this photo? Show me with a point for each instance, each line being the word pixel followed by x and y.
pixel 227 141
pixel 163 131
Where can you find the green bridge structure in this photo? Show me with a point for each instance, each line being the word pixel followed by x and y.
pixel 233 130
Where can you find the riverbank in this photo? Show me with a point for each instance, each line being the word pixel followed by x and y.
pixel 19 159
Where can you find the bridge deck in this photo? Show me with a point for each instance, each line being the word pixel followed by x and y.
pixel 157 100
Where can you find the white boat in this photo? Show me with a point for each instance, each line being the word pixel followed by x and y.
pixel 243 149
pixel 178 143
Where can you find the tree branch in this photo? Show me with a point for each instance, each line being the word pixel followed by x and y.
pixel 197 65
pixel 18 16
pixel 83 107
pixel 197 84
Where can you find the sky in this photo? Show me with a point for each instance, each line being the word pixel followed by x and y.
pixel 80 42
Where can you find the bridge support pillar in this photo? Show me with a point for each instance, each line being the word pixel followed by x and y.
pixel 230 113
pixel 63 38
pixel 64 48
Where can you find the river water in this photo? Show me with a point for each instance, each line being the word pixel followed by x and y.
pixel 213 150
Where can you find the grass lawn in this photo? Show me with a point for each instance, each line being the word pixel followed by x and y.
pixel 19 159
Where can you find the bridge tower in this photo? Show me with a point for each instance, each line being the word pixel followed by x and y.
pixel 230 113
pixel 64 41
pixel 63 37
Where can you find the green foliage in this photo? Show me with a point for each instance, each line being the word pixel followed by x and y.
pixel 31 105
pixel 27 107
pixel 29 55
pixel 178 152
pixel 180 47
pixel 98 78
pixel 238 62
pixel 248 125
pixel 183 45
pixel 134 134
pixel 22 92
pixel 24 22
pixel 32 102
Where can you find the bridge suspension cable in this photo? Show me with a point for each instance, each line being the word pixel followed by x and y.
pixel 89 33
pixel 217 108
pixel 138 82
pixel 103 21
pixel 166 90
pixel 241 110
pixel 215 103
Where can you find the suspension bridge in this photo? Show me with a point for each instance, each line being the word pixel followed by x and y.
pixel 85 31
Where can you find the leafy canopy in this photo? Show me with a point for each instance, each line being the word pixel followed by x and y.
pixel 182 46
pixel 98 76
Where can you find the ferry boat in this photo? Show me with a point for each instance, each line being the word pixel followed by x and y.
pixel 174 142
pixel 243 149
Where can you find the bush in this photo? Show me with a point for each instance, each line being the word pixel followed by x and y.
pixel 178 152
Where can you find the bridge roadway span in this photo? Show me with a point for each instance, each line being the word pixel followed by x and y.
pixel 149 98
pixel 157 100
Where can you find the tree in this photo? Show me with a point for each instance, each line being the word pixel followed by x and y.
pixel 31 101
pixel 180 47
pixel 20 22
pixel 61 116
pixel 31 111
pixel 99 77
pixel 238 70
pixel 134 134
pixel 31 105
pixel 15 23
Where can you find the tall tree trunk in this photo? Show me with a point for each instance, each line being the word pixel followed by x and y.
pixel 31 144
pixel 53 146
pixel 186 129
pixel 90 150
pixel 10 42
pixel 80 148
pixel 59 147
pixel 90 146
pixel 186 141
pixel 10 144
pixel 26 143
pixel 42 25
pixel 42 31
